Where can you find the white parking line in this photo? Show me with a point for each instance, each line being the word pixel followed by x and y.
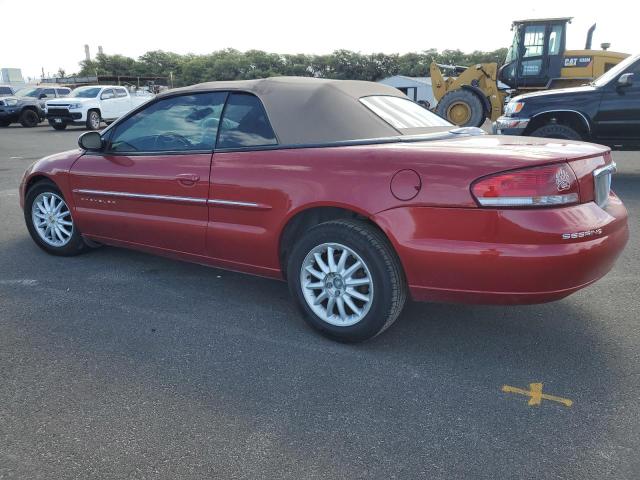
pixel 26 282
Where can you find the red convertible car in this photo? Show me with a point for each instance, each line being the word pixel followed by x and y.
pixel 352 193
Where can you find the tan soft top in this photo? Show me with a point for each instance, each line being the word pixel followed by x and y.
pixel 305 110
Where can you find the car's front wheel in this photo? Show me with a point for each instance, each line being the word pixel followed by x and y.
pixel 29 118
pixel 557 130
pixel 58 126
pixel 50 222
pixel 93 120
pixel 347 279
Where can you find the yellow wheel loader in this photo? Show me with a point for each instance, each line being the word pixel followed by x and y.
pixel 536 60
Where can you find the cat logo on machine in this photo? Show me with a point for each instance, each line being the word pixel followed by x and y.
pixel 577 61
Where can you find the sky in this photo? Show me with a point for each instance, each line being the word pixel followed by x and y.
pixel 61 29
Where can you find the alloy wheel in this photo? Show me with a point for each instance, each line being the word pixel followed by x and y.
pixel 336 284
pixel 52 219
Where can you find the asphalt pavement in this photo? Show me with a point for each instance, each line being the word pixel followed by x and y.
pixel 118 364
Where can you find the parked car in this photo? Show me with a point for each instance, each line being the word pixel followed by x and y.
pixel 27 105
pixel 6 91
pixel 354 194
pixel 91 105
pixel 606 111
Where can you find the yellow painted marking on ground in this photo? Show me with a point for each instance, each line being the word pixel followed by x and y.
pixel 535 394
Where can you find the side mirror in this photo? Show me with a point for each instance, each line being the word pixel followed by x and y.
pixel 625 80
pixel 90 141
pixel 41 96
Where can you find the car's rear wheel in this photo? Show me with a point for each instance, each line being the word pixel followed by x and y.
pixel 557 130
pixel 50 222
pixel 29 118
pixel 347 280
pixel 93 120
pixel 58 126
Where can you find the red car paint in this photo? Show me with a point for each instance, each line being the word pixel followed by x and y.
pixel 450 248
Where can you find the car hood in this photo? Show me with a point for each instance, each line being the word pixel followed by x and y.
pixel 585 89
pixel 21 99
pixel 68 100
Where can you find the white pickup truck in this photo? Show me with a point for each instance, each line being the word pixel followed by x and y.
pixel 91 105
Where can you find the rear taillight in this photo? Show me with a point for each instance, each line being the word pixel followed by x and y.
pixel 531 187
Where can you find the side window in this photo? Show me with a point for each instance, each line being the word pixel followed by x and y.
pixel 175 124
pixel 245 123
pixel 63 92
pixel 534 40
pixel 107 94
pixel 50 92
pixel 121 92
pixel 555 37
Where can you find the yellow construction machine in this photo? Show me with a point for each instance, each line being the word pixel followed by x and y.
pixel 536 60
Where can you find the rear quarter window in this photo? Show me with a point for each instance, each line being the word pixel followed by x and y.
pixel 245 123
pixel 402 113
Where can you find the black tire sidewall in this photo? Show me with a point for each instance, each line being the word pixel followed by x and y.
pixel 74 246
pixel 58 126
pixel 89 115
pixel 557 131
pixel 376 319
pixel 477 114
pixel 29 118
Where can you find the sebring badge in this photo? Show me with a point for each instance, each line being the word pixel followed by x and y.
pixel 563 180
pixel 586 233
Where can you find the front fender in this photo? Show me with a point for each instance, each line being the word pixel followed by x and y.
pixel 55 168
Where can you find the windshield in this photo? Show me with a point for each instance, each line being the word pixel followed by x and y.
pixel 512 53
pixel 402 113
pixel 27 92
pixel 606 77
pixel 85 92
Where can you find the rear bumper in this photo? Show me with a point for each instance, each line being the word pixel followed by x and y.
pixel 467 255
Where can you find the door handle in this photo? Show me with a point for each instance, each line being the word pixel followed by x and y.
pixel 187 178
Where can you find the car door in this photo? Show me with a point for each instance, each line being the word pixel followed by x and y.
pixel 150 184
pixel 618 118
pixel 108 103
pixel 242 211
pixel 532 69
pixel 122 102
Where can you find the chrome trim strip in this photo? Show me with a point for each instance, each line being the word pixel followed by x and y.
pixel 169 198
pixel 602 183
pixel 609 168
pixel 563 199
pixel 231 203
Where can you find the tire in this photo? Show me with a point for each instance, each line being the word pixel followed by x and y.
pixel 58 126
pixel 4 123
pixel 29 118
pixel 462 108
pixel 380 280
pixel 556 130
pixel 66 244
pixel 93 120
